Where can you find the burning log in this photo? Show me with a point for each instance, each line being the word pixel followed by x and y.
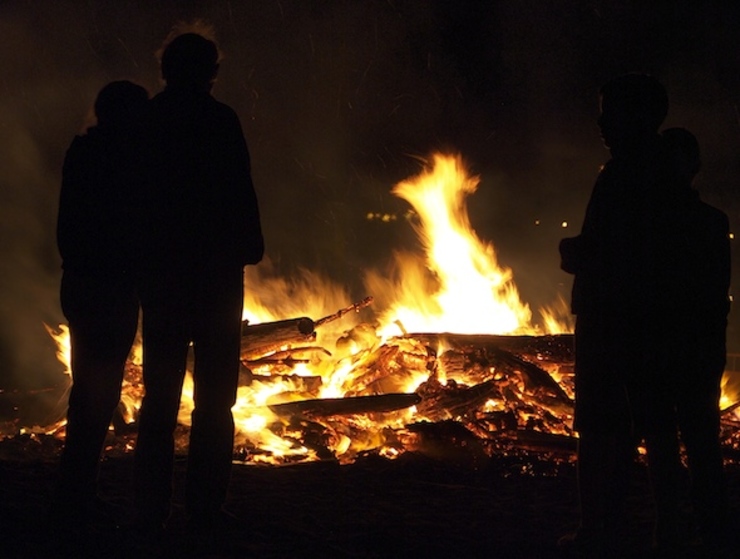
pixel 261 339
pixel 729 410
pixel 536 379
pixel 327 407
pixel 556 348
pixel 389 367
pixel 441 401
pixel 499 352
pixel 285 358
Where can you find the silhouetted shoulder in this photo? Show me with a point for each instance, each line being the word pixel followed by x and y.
pixel 80 150
pixel 715 217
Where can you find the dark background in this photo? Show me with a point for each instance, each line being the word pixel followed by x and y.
pixel 339 100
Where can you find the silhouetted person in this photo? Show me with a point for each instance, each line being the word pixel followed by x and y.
pixel 202 227
pixel 97 241
pixel 696 335
pixel 613 299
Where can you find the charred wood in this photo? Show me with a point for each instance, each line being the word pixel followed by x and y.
pixel 553 348
pixel 730 409
pixel 447 401
pixel 537 441
pixel 327 407
pixel 536 379
pixel 446 440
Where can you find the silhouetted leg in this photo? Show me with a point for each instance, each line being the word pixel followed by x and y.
pixel 103 320
pixel 604 474
pixel 664 459
pixel 605 447
pixel 216 372
pixel 700 425
pixel 166 341
pixel 621 459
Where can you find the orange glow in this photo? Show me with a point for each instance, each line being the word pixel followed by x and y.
pixel 454 283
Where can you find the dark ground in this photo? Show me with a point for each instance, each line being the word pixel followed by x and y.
pixel 414 506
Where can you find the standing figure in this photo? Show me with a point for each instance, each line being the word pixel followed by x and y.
pixel 697 334
pixel 97 240
pixel 201 228
pixel 613 299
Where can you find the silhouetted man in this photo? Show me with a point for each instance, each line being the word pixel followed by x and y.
pixel 202 228
pixel 697 286
pixel 614 300
pixel 96 237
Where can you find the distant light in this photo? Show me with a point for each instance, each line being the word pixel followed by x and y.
pixel 564 224
pixel 536 221
pixel 385 218
pixel 732 235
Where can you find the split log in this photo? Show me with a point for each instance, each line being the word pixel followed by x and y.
pixel 346 406
pixel 260 339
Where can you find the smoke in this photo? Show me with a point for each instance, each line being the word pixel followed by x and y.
pixel 28 269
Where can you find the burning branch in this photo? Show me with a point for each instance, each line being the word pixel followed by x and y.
pixel 356 307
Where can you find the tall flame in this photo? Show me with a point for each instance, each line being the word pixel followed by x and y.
pixel 458 286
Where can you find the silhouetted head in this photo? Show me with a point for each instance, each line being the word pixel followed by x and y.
pixel 682 150
pixel 633 107
pixel 190 60
pixel 120 103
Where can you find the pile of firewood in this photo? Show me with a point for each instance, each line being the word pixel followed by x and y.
pixel 479 394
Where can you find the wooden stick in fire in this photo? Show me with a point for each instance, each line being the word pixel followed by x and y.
pixel 356 307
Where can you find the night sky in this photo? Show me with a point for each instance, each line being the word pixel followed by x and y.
pixel 340 100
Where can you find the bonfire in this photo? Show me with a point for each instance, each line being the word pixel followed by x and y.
pixel 443 353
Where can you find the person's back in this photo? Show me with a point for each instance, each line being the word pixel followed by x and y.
pixel 696 335
pixel 101 178
pixel 98 242
pixel 201 228
pixel 202 211
pixel 702 235
pixel 611 260
pixel 202 207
